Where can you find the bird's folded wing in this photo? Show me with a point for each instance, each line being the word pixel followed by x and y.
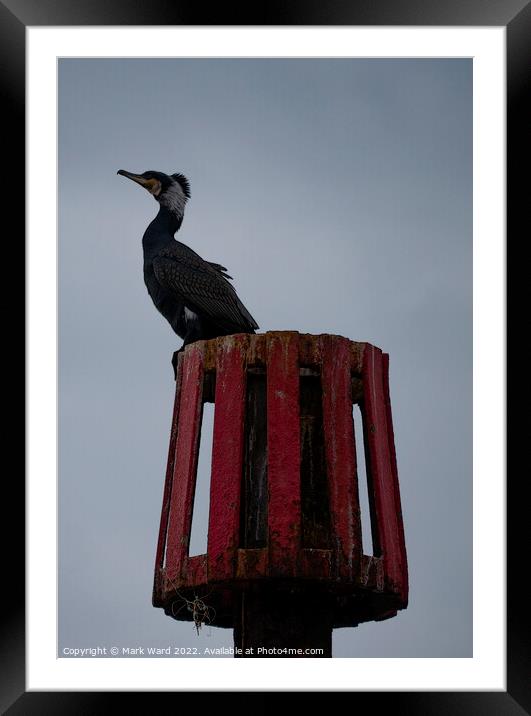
pixel 203 287
pixel 219 268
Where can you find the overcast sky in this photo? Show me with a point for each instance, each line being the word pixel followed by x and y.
pixel 339 195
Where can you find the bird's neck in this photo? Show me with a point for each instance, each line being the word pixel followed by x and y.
pixel 162 228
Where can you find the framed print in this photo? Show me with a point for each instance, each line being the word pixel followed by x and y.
pixel 301 131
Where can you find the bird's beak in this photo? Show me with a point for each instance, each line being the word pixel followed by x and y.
pixel 135 177
pixel 152 185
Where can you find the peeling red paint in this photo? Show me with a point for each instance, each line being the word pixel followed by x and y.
pixel 185 464
pixel 404 582
pixel 227 456
pixel 341 454
pixel 349 372
pixel 384 481
pixel 283 441
pixel 159 559
pixel 252 563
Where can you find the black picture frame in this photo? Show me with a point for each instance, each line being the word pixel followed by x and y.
pixel 15 16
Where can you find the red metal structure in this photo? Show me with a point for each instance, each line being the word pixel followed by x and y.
pixel 284 536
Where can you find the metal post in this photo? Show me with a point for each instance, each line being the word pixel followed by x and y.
pixel 273 623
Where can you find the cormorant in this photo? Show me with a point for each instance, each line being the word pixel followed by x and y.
pixel 194 295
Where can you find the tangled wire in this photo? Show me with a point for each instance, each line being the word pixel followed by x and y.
pixel 201 612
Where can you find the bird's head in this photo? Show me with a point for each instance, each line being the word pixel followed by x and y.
pixel 170 190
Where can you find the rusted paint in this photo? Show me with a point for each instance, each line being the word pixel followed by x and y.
pixel 283 441
pixel 309 351
pixel 293 372
pixel 251 564
pixel 210 354
pixel 195 571
pixel 372 573
pixel 316 564
pixel 341 454
pixel 187 446
pixel 159 559
pixel 404 585
pixel 256 351
pixel 357 351
pixel 227 458
pixel 357 390
pixel 381 475
pixel 168 586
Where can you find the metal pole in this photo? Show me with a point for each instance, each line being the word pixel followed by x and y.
pixel 274 623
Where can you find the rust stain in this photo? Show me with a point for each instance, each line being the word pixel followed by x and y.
pixel 350 373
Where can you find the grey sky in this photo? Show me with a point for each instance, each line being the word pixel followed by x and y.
pixel 339 195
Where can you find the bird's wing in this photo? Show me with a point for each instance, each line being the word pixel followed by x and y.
pixel 179 269
pixel 219 268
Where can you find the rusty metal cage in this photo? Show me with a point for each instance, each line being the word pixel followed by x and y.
pixel 284 499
